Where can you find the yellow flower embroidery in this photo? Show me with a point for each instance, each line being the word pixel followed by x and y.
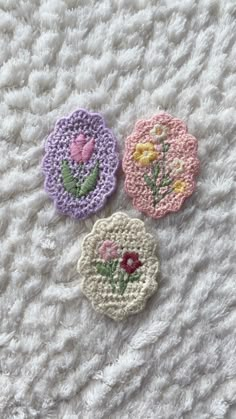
pixel 179 186
pixel 145 153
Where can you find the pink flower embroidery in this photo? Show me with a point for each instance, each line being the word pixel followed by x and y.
pixel 80 150
pixel 108 250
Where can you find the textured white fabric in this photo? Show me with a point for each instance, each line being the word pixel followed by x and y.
pixel 127 59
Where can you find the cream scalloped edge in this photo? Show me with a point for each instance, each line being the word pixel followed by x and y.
pixel 130 235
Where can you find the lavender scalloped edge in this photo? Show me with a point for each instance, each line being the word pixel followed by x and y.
pixel 64 130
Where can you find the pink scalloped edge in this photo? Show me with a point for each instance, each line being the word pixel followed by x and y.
pixel 182 151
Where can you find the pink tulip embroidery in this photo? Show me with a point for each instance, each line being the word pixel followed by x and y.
pixel 80 164
pixel 80 150
pixel 108 250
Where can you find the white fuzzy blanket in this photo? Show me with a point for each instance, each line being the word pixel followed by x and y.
pixel 126 59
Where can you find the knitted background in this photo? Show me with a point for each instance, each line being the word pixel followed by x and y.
pixel 126 59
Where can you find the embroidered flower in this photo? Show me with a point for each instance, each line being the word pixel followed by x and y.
pixel 108 250
pixel 179 186
pixel 80 164
pixel 159 132
pixel 177 166
pixel 145 153
pixel 118 287
pixel 152 186
pixel 81 150
pixel 130 262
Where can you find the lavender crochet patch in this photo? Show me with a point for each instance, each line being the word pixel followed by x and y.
pixel 80 164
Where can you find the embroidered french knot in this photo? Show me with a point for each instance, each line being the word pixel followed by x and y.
pixel 118 266
pixel 80 164
pixel 160 164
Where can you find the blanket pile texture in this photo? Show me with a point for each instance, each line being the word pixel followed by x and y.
pixel 128 60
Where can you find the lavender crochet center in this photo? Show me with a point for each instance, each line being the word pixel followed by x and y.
pixel 97 175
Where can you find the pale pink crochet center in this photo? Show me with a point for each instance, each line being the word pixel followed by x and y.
pixel 182 151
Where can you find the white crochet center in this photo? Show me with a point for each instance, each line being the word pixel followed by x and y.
pixel 126 59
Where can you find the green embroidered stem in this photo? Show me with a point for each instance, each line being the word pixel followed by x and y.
pixel 151 183
pixel 108 269
pixel 122 283
pixel 124 279
pixel 72 185
pixel 164 181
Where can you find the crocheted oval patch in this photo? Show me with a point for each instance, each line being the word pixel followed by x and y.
pixel 160 163
pixel 118 266
pixel 80 164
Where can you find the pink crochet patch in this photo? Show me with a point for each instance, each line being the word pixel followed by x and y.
pixel 160 163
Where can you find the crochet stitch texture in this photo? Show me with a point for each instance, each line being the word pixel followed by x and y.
pixel 160 163
pixel 118 266
pixel 127 59
pixel 80 164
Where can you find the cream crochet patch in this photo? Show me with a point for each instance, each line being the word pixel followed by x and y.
pixel 118 266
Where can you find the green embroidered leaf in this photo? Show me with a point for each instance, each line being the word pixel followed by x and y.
pixel 72 185
pixel 103 269
pixel 90 182
pixel 166 182
pixel 165 147
pixel 68 180
pixel 149 181
pixel 107 269
pixel 134 277
pixel 155 171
